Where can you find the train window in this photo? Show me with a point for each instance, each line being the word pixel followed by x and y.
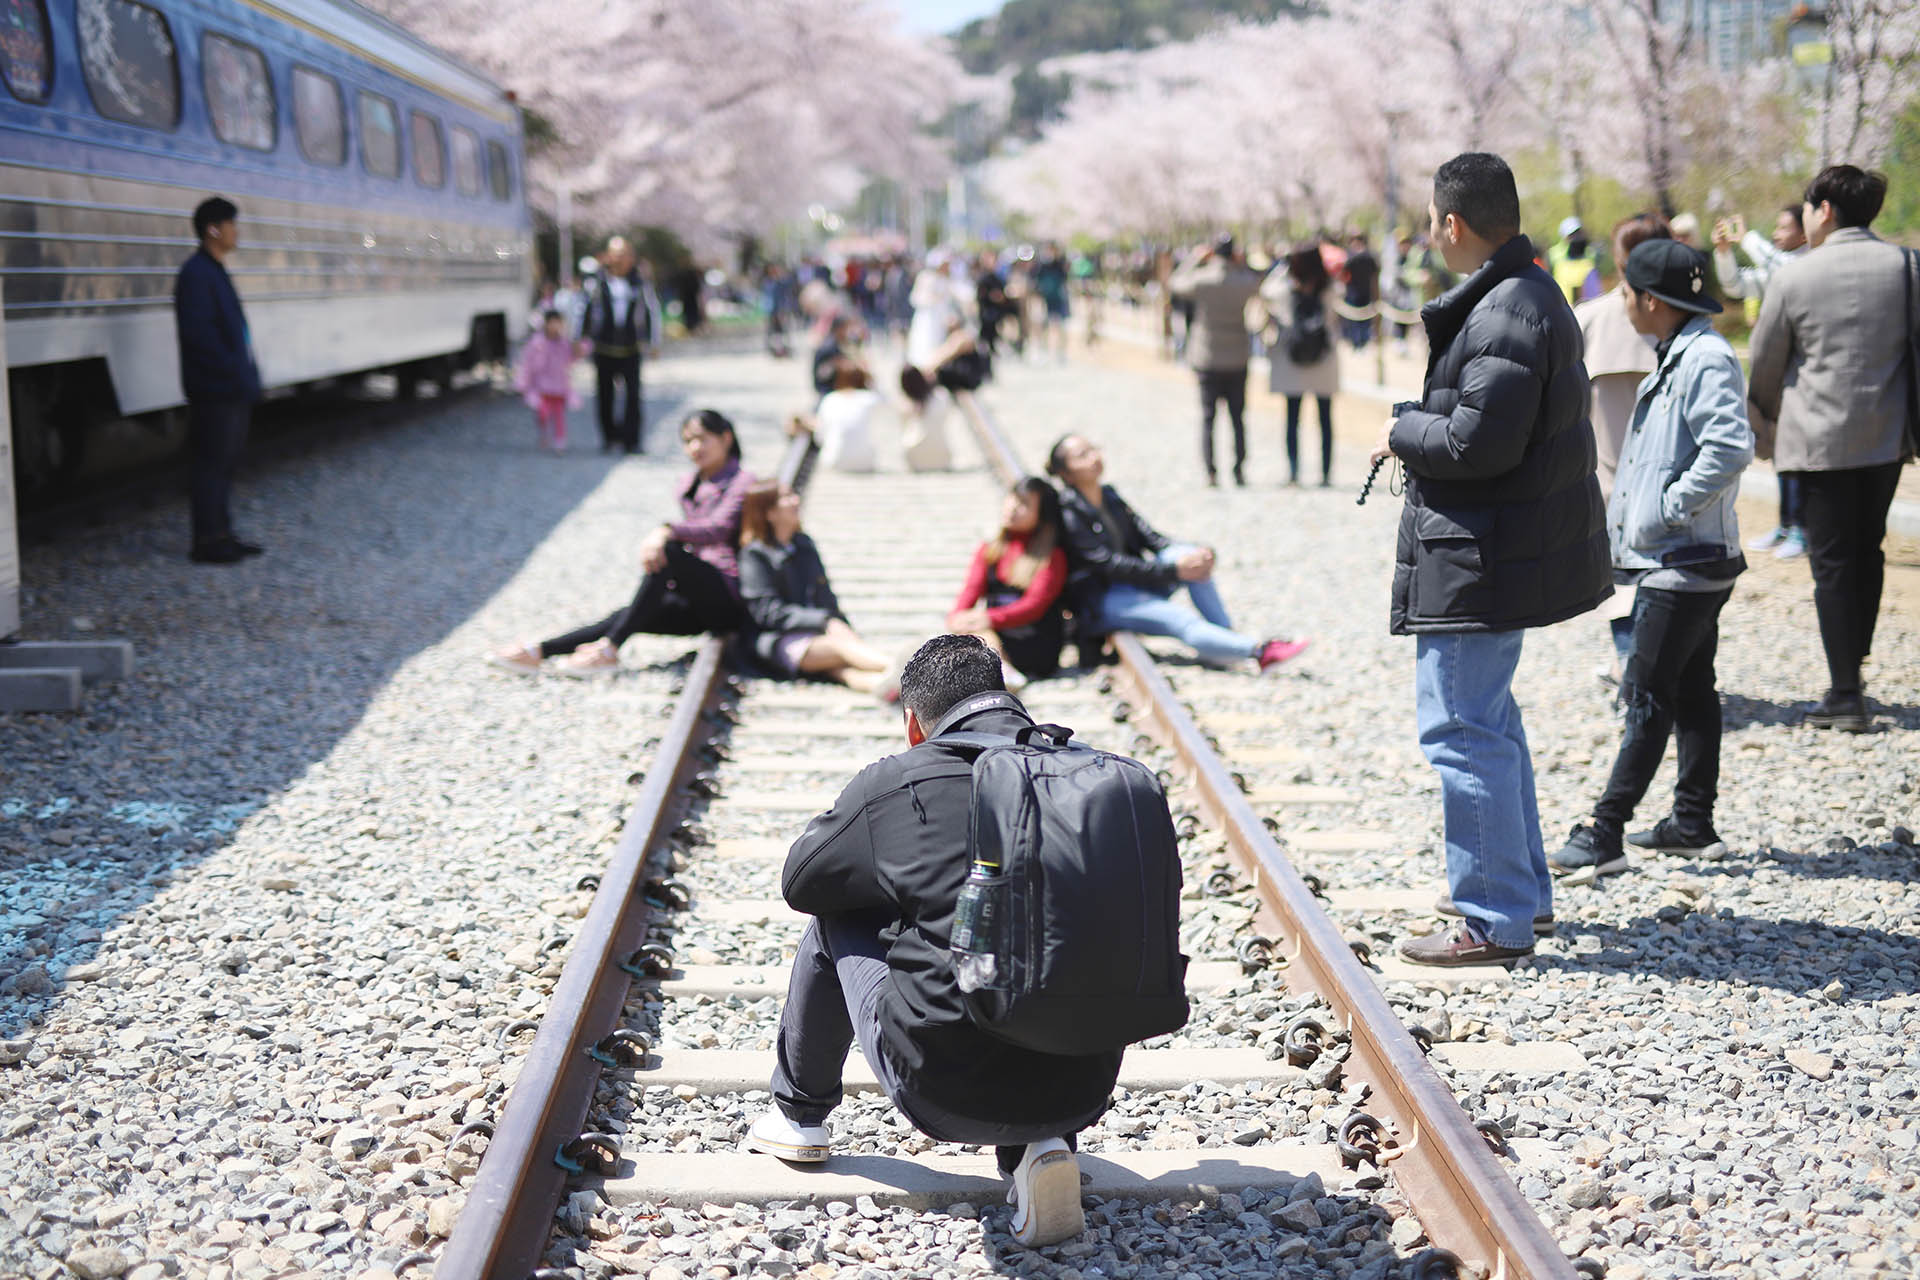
pixel 379 135
pixel 499 175
pixel 429 152
pixel 239 92
pixel 466 161
pixel 127 54
pixel 26 55
pixel 319 117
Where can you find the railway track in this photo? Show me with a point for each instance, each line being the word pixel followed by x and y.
pixel 637 1085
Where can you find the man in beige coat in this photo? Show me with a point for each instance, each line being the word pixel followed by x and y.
pixel 1220 284
pixel 1830 367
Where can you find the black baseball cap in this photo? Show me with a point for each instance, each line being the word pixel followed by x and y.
pixel 1673 273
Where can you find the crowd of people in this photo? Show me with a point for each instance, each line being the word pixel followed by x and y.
pixel 1573 449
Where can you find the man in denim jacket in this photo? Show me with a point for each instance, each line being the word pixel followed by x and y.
pixel 1672 529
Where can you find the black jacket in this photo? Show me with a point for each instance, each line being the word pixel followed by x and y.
pixel 1108 544
pixel 785 588
pixel 896 842
pixel 609 335
pixel 1503 526
pixel 216 360
pixel 825 358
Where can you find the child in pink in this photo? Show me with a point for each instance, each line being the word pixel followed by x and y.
pixel 545 380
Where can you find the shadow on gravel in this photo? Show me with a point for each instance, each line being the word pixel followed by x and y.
pixel 379 546
pixel 1737 711
pixel 1803 957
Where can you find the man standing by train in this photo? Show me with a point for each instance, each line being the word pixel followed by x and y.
pixel 622 317
pixel 220 379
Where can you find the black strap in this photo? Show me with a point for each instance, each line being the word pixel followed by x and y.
pixel 994 701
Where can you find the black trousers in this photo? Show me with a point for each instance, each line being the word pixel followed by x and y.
pixel 688 598
pixel 1228 386
pixel 623 371
pixel 833 1000
pixel 1845 515
pixel 1669 692
pixel 1325 406
pixel 216 436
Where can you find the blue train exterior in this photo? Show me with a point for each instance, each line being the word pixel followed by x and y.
pixel 391 234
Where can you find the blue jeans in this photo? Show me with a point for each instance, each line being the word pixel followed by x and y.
pixel 1208 632
pixel 1471 734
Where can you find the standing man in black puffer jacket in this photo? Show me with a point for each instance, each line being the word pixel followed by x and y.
pixel 1503 530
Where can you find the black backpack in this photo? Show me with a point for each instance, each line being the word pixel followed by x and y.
pixel 1085 844
pixel 1307 338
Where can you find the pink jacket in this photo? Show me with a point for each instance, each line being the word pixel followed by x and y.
pixel 546 367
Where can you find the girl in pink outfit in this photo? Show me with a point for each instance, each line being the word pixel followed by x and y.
pixel 545 380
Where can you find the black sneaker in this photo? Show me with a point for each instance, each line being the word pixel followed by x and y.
pixel 1667 836
pixel 249 548
pixel 1444 905
pixel 220 551
pixel 1588 855
pixel 1846 712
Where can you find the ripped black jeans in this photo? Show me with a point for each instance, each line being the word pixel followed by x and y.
pixel 1669 692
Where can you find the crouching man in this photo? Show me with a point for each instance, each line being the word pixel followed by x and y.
pixel 881 872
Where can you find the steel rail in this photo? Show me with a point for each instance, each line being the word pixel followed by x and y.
pixel 503 1228
pixel 1460 1194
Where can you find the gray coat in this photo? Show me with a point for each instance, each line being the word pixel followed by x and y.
pixel 1672 503
pixel 1220 291
pixel 1284 377
pixel 1829 380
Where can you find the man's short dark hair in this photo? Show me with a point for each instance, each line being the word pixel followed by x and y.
pixel 1478 188
pixel 1856 194
pixel 944 671
pixel 211 213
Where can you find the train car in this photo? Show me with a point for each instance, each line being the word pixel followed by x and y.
pixel 383 215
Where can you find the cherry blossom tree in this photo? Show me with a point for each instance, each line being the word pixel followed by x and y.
pixel 1876 55
pixel 721 118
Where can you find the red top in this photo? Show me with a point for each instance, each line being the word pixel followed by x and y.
pixel 1033 602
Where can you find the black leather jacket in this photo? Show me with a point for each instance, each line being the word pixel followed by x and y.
pixel 1503 526
pixel 1107 544
pixel 896 843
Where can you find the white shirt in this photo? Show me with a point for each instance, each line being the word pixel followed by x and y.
pixel 620 298
pixel 845 423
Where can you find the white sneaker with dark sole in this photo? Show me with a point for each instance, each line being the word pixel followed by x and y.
pixel 1046 1195
pixel 775 1135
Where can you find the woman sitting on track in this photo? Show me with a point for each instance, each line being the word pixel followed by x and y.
pixel 844 422
pixel 956 365
pixel 1122 573
pixel 1012 594
pixel 690 580
pixel 798 628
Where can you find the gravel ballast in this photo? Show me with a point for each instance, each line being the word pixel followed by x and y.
pixel 270 904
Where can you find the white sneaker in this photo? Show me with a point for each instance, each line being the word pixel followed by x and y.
pixel 775 1135
pixel 1046 1195
pixel 1768 541
pixel 1012 677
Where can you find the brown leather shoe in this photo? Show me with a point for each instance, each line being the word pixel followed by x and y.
pixel 1461 947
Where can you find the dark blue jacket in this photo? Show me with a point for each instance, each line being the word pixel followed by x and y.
pixel 216 362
